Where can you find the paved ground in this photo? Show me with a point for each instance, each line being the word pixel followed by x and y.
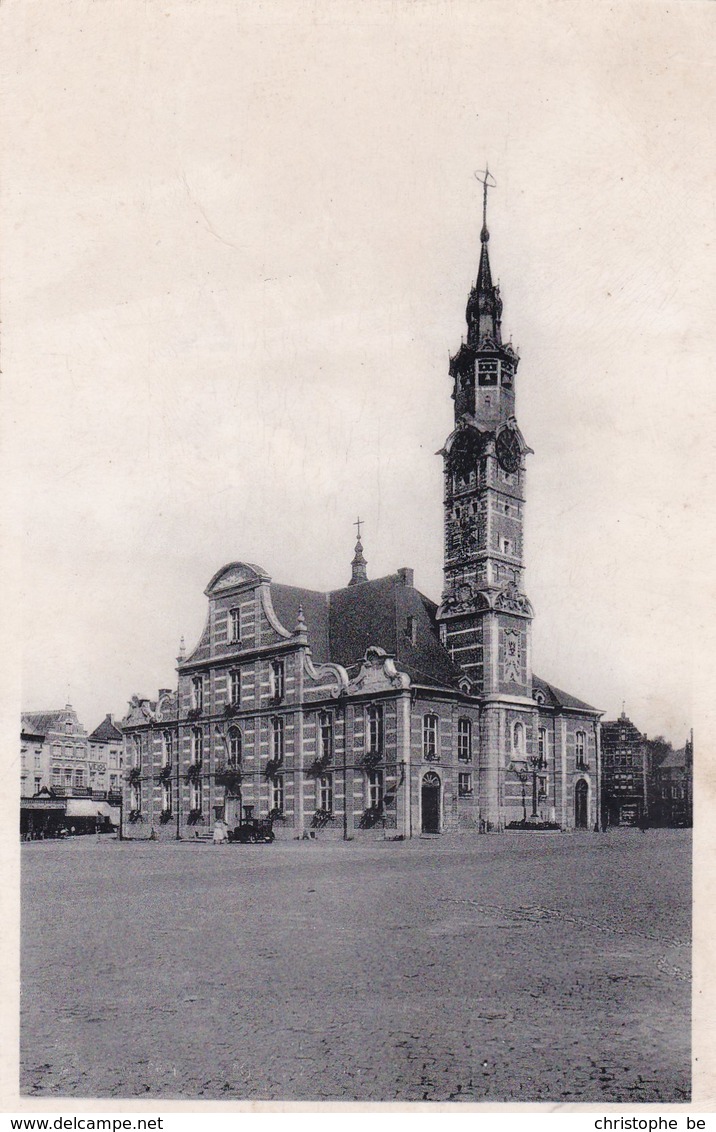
pixel 522 967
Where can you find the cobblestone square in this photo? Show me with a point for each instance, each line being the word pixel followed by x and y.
pixel 523 967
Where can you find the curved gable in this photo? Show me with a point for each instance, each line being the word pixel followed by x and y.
pixel 235 574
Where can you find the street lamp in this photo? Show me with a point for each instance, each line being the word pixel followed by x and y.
pixel 535 762
pixel 520 769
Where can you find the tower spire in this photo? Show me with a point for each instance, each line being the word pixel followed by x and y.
pixel 359 571
pixel 484 307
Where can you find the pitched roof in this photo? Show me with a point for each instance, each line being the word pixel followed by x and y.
pixel 40 722
pixel 286 601
pixel 674 760
pixel 555 697
pixel 342 624
pixel 107 732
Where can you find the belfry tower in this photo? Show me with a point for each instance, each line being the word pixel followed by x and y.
pixel 485 616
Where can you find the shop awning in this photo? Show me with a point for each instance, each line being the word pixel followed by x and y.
pixel 82 808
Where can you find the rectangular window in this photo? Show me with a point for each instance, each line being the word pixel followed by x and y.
pixel 235 688
pixel 235 626
pixel 325 787
pixel 325 722
pixel 375 789
pixel 135 799
pixel 375 729
pixel 113 782
pixel 38 762
pixel 79 776
pixel 464 784
pixel 166 748
pixel 580 745
pixel 541 786
pixel 464 740
pixel 430 737
pixel 68 777
pixel 56 776
pixel 277 793
pixel 196 794
pixel 197 693
pixel 542 746
pixel 277 737
pixel 197 746
pixel 38 784
pixel 167 797
pixel 278 680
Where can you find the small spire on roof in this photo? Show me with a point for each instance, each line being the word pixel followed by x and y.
pixel 301 626
pixel 359 571
pixel 182 649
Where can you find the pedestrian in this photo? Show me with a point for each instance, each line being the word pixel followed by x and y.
pixel 219 832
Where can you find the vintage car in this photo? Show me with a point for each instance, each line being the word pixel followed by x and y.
pixel 252 829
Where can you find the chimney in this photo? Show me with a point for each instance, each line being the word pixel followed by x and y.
pixel 406 575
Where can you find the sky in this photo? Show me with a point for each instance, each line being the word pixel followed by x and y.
pixel 238 243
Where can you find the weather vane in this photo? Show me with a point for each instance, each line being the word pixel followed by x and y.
pixel 484 176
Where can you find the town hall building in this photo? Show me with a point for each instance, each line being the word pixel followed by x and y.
pixel 370 710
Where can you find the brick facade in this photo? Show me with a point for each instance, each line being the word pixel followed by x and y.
pixel 370 711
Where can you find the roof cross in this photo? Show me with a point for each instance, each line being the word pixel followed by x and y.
pixel 357 524
pixel 484 176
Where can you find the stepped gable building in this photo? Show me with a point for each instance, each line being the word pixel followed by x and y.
pixel 625 773
pixel 370 710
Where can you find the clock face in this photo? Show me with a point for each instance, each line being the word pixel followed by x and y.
pixel 508 450
pixel 465 453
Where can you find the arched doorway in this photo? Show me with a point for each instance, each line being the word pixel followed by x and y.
pixel 581 797
pixel 430 803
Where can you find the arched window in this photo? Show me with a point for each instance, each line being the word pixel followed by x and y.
pixel 518 740
pixel 325 737
pixel 430 737
pixel 374 714
pixel 464 740
pixel 234 746
pixel 197 747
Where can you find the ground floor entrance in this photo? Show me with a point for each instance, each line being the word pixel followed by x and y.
pixel 430 803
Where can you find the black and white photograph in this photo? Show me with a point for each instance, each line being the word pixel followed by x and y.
pixel 357 418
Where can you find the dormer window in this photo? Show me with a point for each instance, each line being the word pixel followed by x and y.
pixel 411 629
